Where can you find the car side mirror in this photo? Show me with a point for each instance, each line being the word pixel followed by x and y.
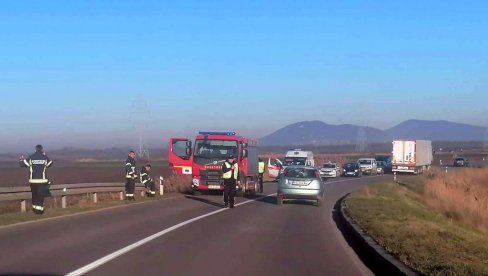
pixel 188 151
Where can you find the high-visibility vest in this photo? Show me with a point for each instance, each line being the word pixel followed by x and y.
pixel 262 167
pixel 228 175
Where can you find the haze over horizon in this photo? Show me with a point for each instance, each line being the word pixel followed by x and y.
pixel 71 71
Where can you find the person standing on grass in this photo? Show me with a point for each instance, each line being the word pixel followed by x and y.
pixel 147 180
pixel 37 164
pixel 230 174
pixel 130 176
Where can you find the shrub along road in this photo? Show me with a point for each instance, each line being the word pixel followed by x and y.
pixel 190 236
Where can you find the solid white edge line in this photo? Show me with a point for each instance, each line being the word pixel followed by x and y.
pixel 118 253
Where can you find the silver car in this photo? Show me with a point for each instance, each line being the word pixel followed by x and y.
pixel 300 182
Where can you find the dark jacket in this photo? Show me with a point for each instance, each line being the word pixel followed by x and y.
pixel 130 168
pixel 145 176
pixel 37 164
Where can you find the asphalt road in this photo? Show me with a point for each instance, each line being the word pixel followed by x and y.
pixel 189 236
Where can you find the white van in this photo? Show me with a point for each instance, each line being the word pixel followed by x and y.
pixel 368 165
pixel 299 157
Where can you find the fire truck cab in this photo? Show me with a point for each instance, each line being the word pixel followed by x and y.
pixel 203 160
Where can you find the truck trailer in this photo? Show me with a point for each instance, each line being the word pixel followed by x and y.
pixel 204 158
pixel 411 156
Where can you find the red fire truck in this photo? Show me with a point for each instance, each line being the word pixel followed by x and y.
pixel 204 158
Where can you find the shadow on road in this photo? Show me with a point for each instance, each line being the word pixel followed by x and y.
pixel 206 201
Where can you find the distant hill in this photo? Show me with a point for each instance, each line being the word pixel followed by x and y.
pixel 320 133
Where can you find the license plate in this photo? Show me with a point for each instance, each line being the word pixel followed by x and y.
pixel 402 168
pixel 214 187
pixel 299 183
pixel 350 173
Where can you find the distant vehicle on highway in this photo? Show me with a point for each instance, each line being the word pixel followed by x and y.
pixel 352 169
pixel 368 165
pixel 381 167
pixel 300 182
pixel 298 157
pixel 274 167
pixel 461 162
pixel 387 159
pixel 330 169
pixel 412 156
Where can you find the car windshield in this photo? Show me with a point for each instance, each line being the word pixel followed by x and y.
pixel 207 151
pixel 351 165
pixel 300 173
pixel 365 162
pixel 381 163
pixel 328 166
pixel 459 159
pixel 299 161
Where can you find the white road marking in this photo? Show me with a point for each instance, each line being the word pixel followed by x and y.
pixel 118 253
pixel 135 245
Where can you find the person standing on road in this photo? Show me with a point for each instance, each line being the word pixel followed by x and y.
pixel 130 176
pixel 37 164
pixel 262 169
pixel 230 174
pixel 147 180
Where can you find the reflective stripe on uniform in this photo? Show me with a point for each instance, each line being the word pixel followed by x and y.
pixel 26 163
pixel 38 181
pixel 262 167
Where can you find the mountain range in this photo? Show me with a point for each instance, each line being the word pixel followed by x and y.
pixel 320 133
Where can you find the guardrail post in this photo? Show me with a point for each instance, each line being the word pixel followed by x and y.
pixel 440 162
pixel 95 198
pixel 142 193
pixel 121 195
pixel 161 185
pixel 23 208
pixel 395 176
pixel 63 201
pixel 446 169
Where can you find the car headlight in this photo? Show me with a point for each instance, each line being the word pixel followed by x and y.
pixel 356 170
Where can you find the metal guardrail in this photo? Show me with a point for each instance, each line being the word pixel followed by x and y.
pixel 22 194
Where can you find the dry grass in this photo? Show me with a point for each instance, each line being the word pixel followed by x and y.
pixel 461 195
pixel 418 236
pixel 176 183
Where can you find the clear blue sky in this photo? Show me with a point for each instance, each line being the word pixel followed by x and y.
pixel 70 70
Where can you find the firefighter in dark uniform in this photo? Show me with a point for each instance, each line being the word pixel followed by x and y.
pixel 130 176
pixel 230 174
pixel 262 169
pixel 147 180
pixel 37 164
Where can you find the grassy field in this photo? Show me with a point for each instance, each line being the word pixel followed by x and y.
pixel 69 172
pixel 426 239
pixel 52 211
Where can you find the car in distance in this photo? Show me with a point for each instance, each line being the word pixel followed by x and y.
pixel 461 162
pixel 352 169
pixel 330 169
pixel 302 183
pixel 388 160
pixel 368 165
pixel 381 167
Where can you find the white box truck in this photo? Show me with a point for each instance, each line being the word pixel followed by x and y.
pixel 411 156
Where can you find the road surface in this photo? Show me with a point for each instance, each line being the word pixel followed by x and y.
pixel 189 236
